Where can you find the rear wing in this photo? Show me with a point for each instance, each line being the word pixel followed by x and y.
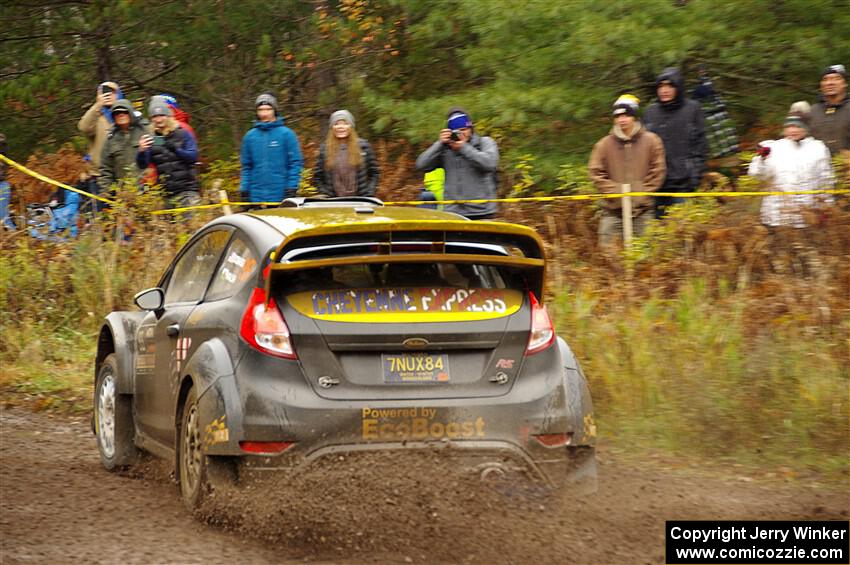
pixel 413 241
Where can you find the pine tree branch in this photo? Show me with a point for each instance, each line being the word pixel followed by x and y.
pixel 46 36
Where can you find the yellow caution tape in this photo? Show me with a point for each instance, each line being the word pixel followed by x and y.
pixel 48 180
pixel 517 200
pixel 618 195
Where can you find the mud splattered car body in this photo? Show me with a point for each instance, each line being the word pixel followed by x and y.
pixel 280 338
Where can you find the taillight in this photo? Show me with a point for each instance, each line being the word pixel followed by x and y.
pixel 265 447
pixel 554 440
pixel 542 332
pixel 264 329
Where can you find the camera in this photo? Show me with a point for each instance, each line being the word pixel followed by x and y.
pixel 455 135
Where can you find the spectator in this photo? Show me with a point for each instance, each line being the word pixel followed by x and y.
pixel 796 162
pixel 341 171
pixel 271 157
pixel 66 209
pixel 830 119
pixel 173 151
pixel 628 155
pixel 5 191
pixel 434 183
pixel 471 163
pixel 118 156
pixel 678 121
pixel 98 121
pixel 6 220
pixel 181 116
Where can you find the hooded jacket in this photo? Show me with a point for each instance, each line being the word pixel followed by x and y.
pixel 831 124
pixel 367 174
pixel 636 160
pixel 680 125
pixel 470 173
pixel 96 124
pixel 271 162
pixel 118 156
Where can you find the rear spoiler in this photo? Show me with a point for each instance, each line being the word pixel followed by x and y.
pixel 524 246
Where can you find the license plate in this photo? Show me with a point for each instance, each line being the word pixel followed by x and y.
pixel 415 368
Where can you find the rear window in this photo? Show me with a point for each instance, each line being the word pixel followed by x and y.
pixel 397 292
pixel 390 275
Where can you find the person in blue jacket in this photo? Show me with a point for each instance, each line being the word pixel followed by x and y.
pixel 271 157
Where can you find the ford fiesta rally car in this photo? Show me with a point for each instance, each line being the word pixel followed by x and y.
pixel 281 338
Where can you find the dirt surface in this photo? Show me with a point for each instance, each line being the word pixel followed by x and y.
pixel 57 505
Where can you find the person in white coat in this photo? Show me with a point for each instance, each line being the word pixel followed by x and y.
pixel 796 162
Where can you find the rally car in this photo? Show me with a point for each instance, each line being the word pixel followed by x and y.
pixel 282 338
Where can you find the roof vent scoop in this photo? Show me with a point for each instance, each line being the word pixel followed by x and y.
pixel 308 201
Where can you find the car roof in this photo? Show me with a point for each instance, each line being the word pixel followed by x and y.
pixel 306 223
pixel 295 219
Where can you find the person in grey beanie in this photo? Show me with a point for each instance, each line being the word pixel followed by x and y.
pixel 271 156
pixel 173 153
pixel 346 165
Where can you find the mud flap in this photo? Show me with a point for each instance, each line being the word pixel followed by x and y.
pixel 220 412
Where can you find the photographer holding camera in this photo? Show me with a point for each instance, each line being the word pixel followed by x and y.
pixel 97 122
pixel 173 151
pixel 470 162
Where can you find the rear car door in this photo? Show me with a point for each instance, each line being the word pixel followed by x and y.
pixel 164 333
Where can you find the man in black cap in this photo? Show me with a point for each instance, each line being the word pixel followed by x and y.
pixel 830 118
pixel 679 122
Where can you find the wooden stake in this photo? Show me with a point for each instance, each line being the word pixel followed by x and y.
pixel 222 197
pixel 627 216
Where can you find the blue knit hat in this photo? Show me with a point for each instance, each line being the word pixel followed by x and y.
pixel 459 120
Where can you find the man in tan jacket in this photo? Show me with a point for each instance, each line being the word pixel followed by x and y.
pixel 629 155
pixel 97 121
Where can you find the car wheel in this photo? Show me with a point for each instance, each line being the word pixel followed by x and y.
pixel 191 459
pixel 200 474
pixel 113 419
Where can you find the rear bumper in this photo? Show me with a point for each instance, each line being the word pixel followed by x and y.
pixel 569 469
pixel 270 401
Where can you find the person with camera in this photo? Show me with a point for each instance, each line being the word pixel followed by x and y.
pixel 173 151
pixel 797 162
pixel 117 158
pixel 97 122
pixel 629 159
pixel 470 162
pixel 270 157
pixel 346 165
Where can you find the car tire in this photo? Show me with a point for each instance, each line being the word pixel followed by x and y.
pixel 113 419
pixel 199 474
